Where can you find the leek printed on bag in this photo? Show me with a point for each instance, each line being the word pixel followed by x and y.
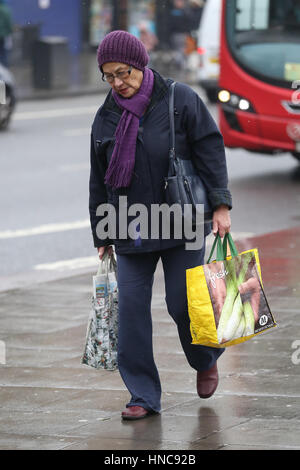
pixel 238 301
pixel 226 299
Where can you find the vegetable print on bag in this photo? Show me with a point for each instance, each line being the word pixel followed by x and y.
pixel 226 299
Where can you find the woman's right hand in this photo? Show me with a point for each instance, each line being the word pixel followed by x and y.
pixel 103 249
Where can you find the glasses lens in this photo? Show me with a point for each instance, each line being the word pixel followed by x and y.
pixel 122 75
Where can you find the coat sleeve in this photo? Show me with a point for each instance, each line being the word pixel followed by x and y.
pixel 208 150
pixel 97 193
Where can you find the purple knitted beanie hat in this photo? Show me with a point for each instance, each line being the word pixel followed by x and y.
pixel 121 46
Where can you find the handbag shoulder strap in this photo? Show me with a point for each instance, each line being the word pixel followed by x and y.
pixel 171 116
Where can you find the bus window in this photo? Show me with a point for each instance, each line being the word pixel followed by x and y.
pixel 252 15
pixel 264 36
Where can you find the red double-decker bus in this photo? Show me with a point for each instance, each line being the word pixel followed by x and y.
pixel 260 75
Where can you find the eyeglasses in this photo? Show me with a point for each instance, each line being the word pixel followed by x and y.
pixel 122 75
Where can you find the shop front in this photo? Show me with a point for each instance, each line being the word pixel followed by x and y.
pixel 136 16
pixel 101 17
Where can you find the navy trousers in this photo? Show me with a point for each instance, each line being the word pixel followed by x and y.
pixel 135 351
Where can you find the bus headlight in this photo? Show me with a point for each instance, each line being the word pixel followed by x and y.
pixel 244 105
pixel 224 96
pixel 235 101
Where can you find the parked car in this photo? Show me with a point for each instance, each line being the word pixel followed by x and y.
pixel 209 48
pixel 7 89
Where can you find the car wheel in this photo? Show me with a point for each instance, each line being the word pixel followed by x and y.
pixel 297 156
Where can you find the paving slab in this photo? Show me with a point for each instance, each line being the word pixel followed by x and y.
pixel 259 434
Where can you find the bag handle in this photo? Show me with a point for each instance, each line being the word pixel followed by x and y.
pixel 233 249
pixel 172 122
pixel 103 266
pixel 112 262
pixel 220 250
pixel 172 151
pixel 222 247
pixel 107 264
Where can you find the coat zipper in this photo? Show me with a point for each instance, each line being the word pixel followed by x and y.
pixel 189 191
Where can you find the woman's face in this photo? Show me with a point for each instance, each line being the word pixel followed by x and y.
pixel 129 84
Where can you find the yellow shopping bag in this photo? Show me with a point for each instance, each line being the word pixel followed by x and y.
pixel 226 300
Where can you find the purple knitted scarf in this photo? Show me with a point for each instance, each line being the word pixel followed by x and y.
pixel 121 165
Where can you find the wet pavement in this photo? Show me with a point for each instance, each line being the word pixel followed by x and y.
pixel 50 401
pixel 81 70
pixel 82 77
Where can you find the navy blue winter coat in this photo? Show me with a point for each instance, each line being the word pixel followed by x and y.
pixel 197 137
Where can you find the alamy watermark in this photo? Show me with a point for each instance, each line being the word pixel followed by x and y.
pixel 162 220
pixel 296 354
pixel 2 353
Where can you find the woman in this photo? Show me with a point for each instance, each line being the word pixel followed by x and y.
pixel 129 160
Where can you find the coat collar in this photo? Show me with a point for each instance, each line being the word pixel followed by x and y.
pixel 160 88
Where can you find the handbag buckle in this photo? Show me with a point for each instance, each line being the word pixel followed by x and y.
pixel 172 153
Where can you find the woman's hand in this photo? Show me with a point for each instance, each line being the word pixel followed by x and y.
pixel 103 249
pixel 221 221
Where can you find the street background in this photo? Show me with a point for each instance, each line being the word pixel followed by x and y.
pixel 44 228
pixel 48 399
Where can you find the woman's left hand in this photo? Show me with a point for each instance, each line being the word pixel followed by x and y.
pixel 221 221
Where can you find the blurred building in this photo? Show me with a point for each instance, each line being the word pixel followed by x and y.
pixel 85 22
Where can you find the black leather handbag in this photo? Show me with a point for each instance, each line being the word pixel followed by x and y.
pixel 183 184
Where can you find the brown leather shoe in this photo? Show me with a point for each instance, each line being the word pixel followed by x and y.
pixel 207 382
pixel 136 412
